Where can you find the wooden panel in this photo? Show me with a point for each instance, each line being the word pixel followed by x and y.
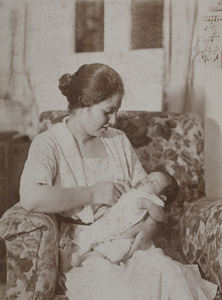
pixel 13 154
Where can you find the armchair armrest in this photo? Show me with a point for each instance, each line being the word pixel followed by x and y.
pixel 201 236
pixel 32 253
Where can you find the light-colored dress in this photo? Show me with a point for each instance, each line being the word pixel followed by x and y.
pixel 149 274
pixel 54 159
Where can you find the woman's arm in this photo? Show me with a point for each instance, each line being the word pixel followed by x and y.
pixel 51 199
pixel 144 231
pixel 142 234
pixel 37 192
pixel 156 212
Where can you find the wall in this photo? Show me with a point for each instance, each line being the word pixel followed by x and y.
pixel 141 70
pixel 213 135
pixel 210 64
pixel 49 53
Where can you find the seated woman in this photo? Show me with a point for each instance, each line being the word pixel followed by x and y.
pixel 77 166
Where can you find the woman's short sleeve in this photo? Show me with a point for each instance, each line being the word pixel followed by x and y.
pixel 40 166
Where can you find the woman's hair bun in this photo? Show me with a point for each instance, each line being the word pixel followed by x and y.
pixel 64 83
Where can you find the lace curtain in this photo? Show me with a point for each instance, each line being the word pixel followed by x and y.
pixel 184 72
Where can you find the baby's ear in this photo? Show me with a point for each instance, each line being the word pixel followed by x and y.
pixel 163 197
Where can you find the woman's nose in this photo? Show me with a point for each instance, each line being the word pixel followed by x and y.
pixel 112 119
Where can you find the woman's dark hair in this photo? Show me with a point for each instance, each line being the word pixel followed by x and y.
pixel 91 84
pixel 171 190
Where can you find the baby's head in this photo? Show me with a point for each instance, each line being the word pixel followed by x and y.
pixel 163 185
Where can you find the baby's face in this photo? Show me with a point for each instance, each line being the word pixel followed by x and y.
pixel 156 182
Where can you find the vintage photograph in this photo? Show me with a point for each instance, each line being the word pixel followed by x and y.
pixel 111 149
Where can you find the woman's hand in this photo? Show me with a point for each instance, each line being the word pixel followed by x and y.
pixel 143 232
pixel 106 193
pixel 142 235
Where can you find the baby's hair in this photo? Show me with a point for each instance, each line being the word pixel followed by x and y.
pixel 171 190
pixel 91 84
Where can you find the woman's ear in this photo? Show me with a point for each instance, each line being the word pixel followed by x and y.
pixel 163 197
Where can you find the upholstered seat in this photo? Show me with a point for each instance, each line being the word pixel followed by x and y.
pixel 192 231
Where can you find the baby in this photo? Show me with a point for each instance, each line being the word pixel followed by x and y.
pixel 104 236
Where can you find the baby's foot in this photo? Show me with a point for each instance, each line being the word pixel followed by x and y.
pixel 76 260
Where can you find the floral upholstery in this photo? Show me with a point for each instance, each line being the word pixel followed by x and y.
pixel 201 236
pixel 170 141
pixel 32 253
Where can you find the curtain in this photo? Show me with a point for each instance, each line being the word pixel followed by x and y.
pixel 193 75
pixel 182 76
pixel 16 90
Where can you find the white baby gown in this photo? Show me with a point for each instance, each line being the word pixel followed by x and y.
pixel 148 274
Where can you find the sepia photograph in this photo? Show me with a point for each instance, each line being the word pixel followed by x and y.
pixel 110 150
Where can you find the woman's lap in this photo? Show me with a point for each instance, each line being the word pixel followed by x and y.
pixel 148 274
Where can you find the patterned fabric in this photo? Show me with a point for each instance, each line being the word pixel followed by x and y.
pixel 49 118
pixel 32 253
pixel 170 141
pixel 201 236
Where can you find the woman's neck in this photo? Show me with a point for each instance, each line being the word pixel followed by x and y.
pixel 89 146
pixel 78 131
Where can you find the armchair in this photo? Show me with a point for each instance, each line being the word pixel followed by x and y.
pixel 191 232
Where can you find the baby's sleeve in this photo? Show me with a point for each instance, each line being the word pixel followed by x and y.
pixel 40 166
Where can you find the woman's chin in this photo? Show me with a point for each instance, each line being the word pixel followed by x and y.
pixel 99 131
pixel 102 130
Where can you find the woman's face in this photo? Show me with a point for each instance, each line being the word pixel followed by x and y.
pixel 96 119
